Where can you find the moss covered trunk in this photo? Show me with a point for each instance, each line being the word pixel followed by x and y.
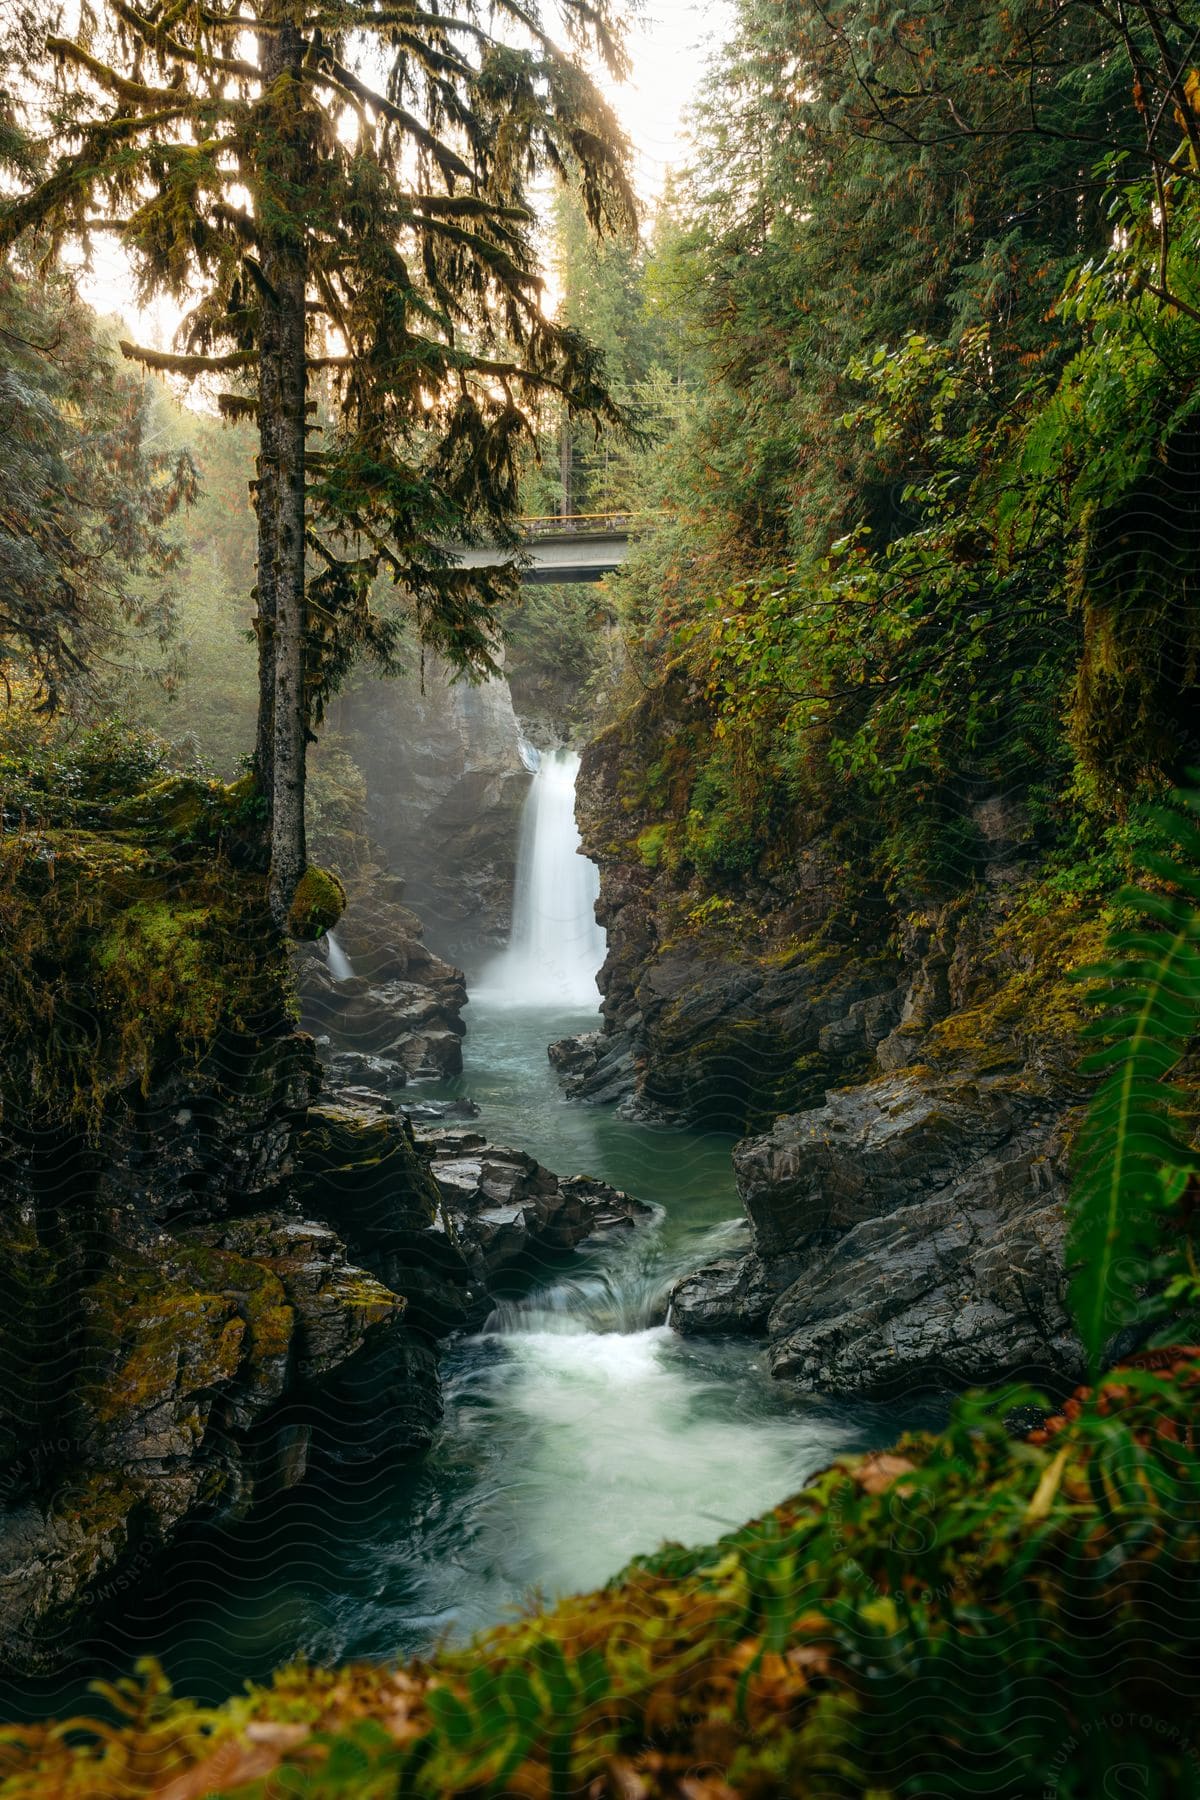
pixel 282 392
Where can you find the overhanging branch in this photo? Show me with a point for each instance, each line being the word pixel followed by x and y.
pixel 167 362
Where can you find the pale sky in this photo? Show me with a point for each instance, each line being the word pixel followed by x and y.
pixel 669 44
pixel 670 47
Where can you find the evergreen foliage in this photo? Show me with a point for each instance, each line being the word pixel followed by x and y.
pixel 89 538
pixel 339 197
pixel 928 532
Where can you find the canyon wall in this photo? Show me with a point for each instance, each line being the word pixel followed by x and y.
pixel 446 781
pixel 902 1077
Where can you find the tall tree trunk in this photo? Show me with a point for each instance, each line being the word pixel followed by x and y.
pixel 282 391
pixel 266 509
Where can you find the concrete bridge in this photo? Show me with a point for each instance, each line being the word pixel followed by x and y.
pixel 583 547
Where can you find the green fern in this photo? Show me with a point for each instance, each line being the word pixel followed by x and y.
pixel 1133 1158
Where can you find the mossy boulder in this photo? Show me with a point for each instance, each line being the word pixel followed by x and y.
pixel 298 1289
pixel 317 904
pixel 122 955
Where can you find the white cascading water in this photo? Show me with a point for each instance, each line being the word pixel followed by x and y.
pixel 556 947
pixel 340 966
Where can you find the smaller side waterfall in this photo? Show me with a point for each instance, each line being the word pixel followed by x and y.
pixel 556 947
pixel 340 966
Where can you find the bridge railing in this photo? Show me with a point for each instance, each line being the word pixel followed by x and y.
pixel 582 524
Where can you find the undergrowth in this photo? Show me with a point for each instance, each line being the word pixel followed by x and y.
pixel 967 1614
pixel 133 914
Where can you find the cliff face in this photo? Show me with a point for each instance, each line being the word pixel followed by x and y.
pixel 180 1312
pixel 904 1075
pixel 445 786
pixel 220 1264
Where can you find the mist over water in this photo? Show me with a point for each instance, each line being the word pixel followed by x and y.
pixel 556 947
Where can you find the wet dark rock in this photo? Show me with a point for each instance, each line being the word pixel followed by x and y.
pixel 212 1139
pixel 199 1367
pixel 727 1026
pixel 500 1205
pixel 732 1294
pixel 364 1167
pixel 356 1069
pixel 867 1151
pixel 401 1022
pixel 907 1234
pixel 962 1289
pixel 193 1355
pixel 398 1018
pixel 575 1057
pixel 358 1163
pixel 598 1068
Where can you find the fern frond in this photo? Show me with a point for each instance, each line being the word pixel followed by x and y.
pixel 1133 1148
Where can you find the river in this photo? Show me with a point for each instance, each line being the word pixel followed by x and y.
pixel 577 1431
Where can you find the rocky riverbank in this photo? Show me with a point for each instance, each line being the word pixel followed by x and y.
pixel 905 1078
pixel 909 1233
pixel 221 1266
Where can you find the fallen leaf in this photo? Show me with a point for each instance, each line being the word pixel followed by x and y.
pixel 876 1472
pixel 233 1765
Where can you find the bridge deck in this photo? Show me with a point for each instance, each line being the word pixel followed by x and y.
pixel 579 548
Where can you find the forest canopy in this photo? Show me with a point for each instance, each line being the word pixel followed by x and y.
pixel 929 525
pixel 337 199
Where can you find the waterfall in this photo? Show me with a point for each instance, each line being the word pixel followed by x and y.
pixel 340 966
pixel 556 947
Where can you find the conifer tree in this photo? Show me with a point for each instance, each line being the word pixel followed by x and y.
pixel 337 193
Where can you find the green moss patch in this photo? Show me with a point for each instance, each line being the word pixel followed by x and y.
pixel 163 1336
pixel 125 950
pixel 1031 1009
pixel 317 904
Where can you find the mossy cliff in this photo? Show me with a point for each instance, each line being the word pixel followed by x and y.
pixel 179 1317
pixel 896 1039
pixel 970 1613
